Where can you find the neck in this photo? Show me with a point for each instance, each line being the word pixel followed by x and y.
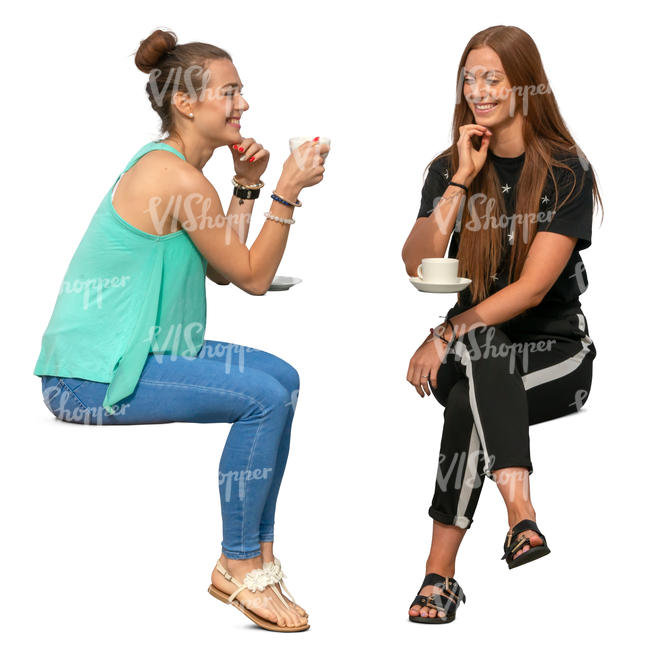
pixel 508 138
pixel 197 152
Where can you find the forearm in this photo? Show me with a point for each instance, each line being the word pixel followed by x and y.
pixel 238 219
pixel 498 308
pixel 430 235
pixel 239 216
pixel 269 246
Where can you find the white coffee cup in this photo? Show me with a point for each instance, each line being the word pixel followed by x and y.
pixel 438 270
pixel 294 143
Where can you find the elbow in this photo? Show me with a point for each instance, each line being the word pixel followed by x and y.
pixel 410 265
pixel 536 297
pixel 411 269
pixel 255 288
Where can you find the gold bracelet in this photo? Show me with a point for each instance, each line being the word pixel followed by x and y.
pixel 256 186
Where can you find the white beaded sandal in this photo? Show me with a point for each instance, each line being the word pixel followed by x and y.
pixel 277 576
pixel 255 581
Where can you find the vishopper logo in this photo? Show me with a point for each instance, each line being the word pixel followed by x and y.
pixel 456 473
pixel 80 414
pixel 497 92
pixel 293 401
pixel 515 480
pixel 194 211
pixel 580 398
pixel 241 478
pixel 93 288
pixel 518 350
pixel 178 340
pixel 303 155
pixel 491 218
pixel 181 80
pixel 580 275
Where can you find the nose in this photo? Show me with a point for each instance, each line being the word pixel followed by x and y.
pixel 242 104
pixel 479 91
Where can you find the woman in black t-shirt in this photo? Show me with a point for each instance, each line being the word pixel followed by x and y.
pixel 513 201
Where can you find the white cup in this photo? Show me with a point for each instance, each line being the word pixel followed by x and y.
pixel 294 143
pixel 439 270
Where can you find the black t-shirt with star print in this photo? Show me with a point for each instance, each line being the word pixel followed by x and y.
pixel 573 219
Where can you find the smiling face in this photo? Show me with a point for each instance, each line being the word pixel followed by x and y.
pixel 486 87
pixel 217 111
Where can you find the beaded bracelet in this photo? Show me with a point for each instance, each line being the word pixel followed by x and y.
pixel 274 217
pixel 280 199
pixel 255 186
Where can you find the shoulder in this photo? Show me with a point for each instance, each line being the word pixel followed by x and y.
pixel 171 174
pixel 441 165
pixel 572 173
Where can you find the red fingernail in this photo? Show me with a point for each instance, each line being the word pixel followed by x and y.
pixel 234 147
pixel 251 159
pixel 317 138
pixel 241 148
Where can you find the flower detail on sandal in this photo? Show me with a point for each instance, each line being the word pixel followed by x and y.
pixel 276 575
pixel 257 580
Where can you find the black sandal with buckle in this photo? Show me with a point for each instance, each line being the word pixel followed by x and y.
pixel 512 545
pixel 445 603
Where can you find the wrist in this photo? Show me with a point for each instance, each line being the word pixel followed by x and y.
pixel 462 177
pixel 438 334
pixel 247 180
pixel 289 191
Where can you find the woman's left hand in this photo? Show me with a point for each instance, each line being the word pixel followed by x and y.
pixel 424 365
pixel 249 171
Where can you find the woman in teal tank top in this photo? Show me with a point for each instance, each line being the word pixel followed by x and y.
pixel 125 343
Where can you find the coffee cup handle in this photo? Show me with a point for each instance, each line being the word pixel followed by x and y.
pixel 419 272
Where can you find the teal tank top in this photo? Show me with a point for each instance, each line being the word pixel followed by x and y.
pixel 126 294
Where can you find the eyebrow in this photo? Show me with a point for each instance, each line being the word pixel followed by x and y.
pixel 232 83
pixel 486 72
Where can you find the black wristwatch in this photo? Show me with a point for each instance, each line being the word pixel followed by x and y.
pixel 243 193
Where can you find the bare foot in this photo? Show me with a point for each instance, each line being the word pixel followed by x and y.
pixel 264 603
pixel 533 538
pixel 268 557
pixel 427 612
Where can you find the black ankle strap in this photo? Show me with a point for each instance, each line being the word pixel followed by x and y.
pixel 525 524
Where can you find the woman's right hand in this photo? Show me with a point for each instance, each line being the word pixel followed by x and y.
pixel 304 166
pixel 471 160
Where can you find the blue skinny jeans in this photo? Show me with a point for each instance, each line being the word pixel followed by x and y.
pixel 254 390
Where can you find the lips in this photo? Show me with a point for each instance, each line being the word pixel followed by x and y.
pixel 485 107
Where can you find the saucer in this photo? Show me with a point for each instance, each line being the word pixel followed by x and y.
pixel 432 287
pixel 283 282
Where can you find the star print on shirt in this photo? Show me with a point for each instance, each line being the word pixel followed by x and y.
pixel 545 199
pixel 505 188
pixel 511 237
pixel 446 174
pixel 495 277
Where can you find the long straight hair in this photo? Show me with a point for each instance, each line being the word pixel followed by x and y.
pixel 546 139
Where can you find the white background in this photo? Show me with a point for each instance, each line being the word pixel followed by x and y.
pixel 110 534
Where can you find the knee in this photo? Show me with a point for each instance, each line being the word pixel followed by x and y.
pixel 276 397
pixel 287 375
pixel 458 405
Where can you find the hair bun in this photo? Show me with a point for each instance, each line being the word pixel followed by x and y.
pixel 153 48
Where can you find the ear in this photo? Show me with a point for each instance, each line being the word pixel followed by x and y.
pixel 181 101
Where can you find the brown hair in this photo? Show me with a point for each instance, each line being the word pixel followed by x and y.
pixel 547 140
pixel 173 68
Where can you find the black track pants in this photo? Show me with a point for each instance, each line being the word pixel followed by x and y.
pixel 494 382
